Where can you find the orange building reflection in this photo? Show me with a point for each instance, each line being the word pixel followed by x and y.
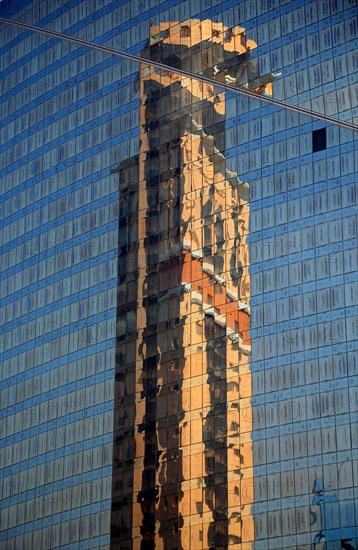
pixel 183 465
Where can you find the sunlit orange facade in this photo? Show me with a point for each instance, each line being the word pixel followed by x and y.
pixel 190 473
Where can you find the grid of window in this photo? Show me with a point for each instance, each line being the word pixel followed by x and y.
pixel 59 230
pixel 178 277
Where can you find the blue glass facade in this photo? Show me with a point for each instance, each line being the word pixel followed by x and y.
pixel 97 179
pixel 59 271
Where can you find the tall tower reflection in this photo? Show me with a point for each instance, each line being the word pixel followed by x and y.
pixel 183 463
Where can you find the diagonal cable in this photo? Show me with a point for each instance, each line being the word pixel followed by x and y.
pixel 162 66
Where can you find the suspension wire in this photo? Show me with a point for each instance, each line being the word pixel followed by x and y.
pixel 162 66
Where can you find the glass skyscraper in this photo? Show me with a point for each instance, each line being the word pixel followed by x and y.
pixel 178 276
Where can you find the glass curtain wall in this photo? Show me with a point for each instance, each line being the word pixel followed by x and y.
pixel 178 277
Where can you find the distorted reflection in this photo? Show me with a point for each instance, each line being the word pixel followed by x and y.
pixel 183 463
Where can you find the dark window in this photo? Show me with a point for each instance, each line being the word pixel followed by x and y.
pixel 319 140
pixel 185 31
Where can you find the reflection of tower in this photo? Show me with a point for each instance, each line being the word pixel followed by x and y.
pixel 183 461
